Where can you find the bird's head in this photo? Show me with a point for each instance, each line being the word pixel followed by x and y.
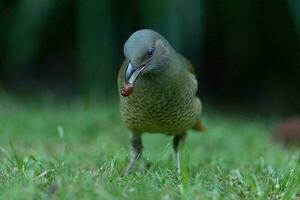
pixel 147 52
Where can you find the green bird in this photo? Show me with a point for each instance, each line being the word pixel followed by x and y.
pixel 157 92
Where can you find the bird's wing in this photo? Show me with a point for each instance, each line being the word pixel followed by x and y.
pixel 191 75
pixel 121 75
pixel 187 64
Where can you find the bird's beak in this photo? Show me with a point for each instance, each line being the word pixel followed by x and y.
pixel 132 73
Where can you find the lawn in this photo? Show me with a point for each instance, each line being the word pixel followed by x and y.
pixel 79 150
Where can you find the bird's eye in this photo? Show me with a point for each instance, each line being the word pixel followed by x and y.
pixel 150 52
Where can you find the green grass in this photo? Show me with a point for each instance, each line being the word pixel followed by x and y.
pixel 80 150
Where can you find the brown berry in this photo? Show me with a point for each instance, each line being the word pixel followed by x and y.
pixel 126 89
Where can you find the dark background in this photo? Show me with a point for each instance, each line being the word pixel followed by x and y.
pixel 246 53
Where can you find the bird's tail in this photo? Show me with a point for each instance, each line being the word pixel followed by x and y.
pixel 199 126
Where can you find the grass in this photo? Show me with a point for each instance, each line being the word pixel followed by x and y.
pixel 79 151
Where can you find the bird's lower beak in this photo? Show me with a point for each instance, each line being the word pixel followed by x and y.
pixel 132 73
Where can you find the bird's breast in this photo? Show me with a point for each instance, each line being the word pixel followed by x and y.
pixel 160 106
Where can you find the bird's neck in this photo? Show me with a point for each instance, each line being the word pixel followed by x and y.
pixel 171 76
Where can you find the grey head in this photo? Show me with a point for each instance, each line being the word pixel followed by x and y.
pixel 146 51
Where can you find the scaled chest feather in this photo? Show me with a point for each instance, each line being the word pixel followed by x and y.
pixel 159 107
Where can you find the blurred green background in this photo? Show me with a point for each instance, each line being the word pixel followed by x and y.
pixel 246 53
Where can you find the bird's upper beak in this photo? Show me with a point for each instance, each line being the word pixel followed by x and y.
pixel 132 73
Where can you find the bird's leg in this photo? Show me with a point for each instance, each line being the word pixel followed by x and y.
pixel 178 139
pixel 136 150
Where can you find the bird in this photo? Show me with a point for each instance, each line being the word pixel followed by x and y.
pixel 157 88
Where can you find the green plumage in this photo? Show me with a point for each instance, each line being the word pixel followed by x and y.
pixel 163 101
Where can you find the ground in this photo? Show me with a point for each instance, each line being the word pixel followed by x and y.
pixel 76 150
